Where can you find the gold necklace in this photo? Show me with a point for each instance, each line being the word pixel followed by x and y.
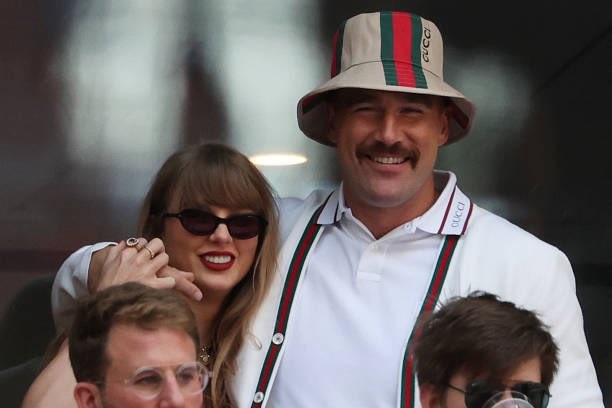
pixel 205 355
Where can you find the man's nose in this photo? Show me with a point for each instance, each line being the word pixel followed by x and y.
pixel 387 131
pixel 171 395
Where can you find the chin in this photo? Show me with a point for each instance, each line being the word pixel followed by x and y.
pixel 216 285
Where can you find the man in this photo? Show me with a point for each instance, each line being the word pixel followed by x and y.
pixel 360 265
pixel 478 351
pixel 134 346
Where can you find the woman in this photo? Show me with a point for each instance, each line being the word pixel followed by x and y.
pixel 211 213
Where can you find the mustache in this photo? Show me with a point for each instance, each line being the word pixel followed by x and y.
pixel 380 149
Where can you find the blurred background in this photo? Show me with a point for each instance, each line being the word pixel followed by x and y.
pixel 94 95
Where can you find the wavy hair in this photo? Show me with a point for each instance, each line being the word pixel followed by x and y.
pixel 213 174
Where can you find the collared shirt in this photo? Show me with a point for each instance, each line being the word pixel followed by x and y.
pixel 357 305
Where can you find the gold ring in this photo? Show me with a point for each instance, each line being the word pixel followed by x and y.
pixel 150 251
pixel 131 242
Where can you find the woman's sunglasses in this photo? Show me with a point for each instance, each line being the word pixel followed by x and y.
pixel 479 393
pixel 198 222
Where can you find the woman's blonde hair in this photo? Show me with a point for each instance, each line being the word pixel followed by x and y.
pixel 217 175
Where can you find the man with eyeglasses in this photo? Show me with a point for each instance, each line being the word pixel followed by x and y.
pixel 132 346
pixel 359 266
pixel 481 352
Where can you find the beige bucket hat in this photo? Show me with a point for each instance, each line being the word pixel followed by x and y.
pixel 388 51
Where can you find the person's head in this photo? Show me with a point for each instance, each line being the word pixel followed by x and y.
pixel 135 346
pixel 387 109
pixel 221 181
pixel 482 345
pixel 234 261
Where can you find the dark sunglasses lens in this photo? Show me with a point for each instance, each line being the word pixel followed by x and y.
pixel 477 394
pixel 244 226
pixel 198 222
pixel 536 392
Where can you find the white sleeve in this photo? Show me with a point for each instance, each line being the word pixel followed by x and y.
pixel 71 283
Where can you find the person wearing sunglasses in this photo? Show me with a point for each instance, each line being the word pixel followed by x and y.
pixel 210 216
pixel 133 346
pixel 360 263
pixel 481 352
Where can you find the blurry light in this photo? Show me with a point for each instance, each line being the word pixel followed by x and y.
pixel 278 159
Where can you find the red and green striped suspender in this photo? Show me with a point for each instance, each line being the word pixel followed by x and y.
pixel 408 381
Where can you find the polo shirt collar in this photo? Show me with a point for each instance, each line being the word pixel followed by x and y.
pixel 452 210
pixel 449 215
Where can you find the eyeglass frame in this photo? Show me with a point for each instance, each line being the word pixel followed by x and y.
pixel 262 222
pixel 130 381
pixel 501 388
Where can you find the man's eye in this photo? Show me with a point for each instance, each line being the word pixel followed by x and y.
pixel 186 376
pixel 148 380
pixel 411 109
pixel 363 108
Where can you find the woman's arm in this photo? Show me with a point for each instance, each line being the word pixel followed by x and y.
pixel 54 386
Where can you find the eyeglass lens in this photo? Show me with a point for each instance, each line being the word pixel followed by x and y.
pixel 198 222
pixel 478 394
pixel 148 382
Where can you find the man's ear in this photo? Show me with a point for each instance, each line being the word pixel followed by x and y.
pixel 332 135
pixel 87 395
pixel 445 126
pixel 429 396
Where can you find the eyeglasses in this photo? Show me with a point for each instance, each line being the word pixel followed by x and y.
pixel 148 382
pixel 198 222
pixel 478 393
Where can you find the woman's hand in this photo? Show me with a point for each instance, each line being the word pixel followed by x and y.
pixel 136 263
pixel 139 261
pixel 183 282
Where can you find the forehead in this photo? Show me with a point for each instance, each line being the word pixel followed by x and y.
pixel 349 96
pixel 130 347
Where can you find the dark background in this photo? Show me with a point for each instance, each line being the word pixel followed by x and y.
pixel 94 96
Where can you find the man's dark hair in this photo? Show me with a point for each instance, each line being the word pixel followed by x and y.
pixel 132 304
pixel 481 336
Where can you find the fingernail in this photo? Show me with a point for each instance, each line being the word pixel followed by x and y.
pixel 198 295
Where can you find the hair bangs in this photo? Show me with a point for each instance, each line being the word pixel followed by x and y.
pixel 224 185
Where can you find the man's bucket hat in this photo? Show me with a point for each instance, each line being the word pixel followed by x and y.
pixel 387 51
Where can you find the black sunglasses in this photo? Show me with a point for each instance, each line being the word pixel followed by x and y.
pixel 479 393
pixel 198 222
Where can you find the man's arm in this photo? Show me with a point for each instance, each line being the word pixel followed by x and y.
pixel 71 283
pixel 102 265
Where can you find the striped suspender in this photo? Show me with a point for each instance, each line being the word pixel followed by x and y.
pixel 293 276
pixel 291 282
pixel 408 381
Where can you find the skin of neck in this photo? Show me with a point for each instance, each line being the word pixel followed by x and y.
pixel 205 313
pixel 382 220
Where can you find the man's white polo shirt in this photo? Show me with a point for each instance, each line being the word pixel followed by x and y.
pixel 358 302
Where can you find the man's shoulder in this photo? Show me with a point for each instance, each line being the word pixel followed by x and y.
pixel 293 209
pixel 295 205
pixel 498 254
pixel 487 228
